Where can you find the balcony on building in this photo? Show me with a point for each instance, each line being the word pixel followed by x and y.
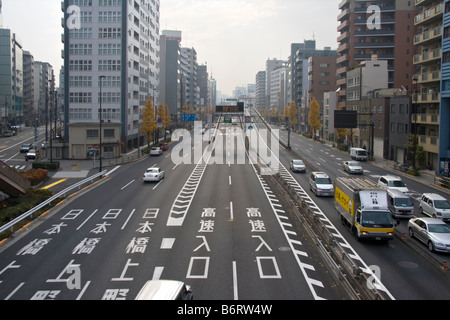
pixel 433 97
pixel 429 77
pixel 430 14
pixel 428 36
pixel 433 55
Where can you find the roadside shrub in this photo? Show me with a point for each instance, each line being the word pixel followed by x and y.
pixel 36 176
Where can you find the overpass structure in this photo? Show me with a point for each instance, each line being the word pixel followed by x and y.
pixel 11 182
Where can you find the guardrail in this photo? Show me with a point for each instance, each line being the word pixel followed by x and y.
pixel 62 193
pixel 343 266
pixel 444 182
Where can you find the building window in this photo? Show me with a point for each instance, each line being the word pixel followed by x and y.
pixel 109 133
pixel 91 133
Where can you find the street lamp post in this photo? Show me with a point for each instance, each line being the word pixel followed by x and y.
pixel 100 124
pixel 414 110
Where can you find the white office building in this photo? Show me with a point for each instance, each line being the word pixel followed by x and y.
pixel 111 63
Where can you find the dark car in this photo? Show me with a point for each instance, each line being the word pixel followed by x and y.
pixel 164 146
pixel 25 147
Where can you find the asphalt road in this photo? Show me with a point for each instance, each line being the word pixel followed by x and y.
pixel 405 266
pixel 234 240
pixel 220 228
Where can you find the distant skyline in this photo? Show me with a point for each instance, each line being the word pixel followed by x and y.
pixel 233 37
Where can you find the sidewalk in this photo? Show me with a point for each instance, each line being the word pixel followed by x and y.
pixel 84 168
pixel 426 176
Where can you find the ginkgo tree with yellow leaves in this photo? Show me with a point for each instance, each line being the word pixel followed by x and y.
pixel 148 126
pixel 290 112
pixel 314 116
pixel 164 115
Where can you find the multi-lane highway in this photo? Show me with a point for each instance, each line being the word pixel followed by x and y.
pixel 213 223
pixel 218 227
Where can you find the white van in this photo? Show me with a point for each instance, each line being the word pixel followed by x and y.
pixel 435 206
pixel 358 154
pixel 400 204
pixel 165 290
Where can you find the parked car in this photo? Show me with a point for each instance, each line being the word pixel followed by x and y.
pixel 26 147
pixel 156 151
pixel 297 165
pixel 164 146
pixel 32 154
pixel 435 206
pixel 433 232
pixel 153 174
pixel 321 184
pixel 392 182
pixel 165 290
pixel 353 167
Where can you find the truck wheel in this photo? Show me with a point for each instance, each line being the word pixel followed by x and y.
pixel 355 233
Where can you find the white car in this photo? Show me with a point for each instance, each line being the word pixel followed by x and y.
pixel 392 182
pixel 153 174
pixel 156 151
pixel 435 206
pixel 353 167
pixel 321 184
pixel 297 165
pixel 32 154
pixel 433 232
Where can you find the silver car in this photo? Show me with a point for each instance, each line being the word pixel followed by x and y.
pixel 321 184
pixel 433 232
pixel 298 165
pixel 353 167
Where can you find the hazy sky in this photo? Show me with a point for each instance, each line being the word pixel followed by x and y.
pixel 233 37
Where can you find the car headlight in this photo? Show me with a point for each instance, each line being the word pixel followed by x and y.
pixel 439 244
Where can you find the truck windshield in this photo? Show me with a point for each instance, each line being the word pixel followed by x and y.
pixel 377 219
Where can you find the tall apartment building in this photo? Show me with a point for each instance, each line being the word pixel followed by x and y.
pixel 426 104
pixel 170 88
pixel 278 80
pixel 270 66
pixel 11 79
pixel 44 88
pixel 321 76
pixel 112 66
pixel 212 93
pixel 203 84
pixel 28 89
pixel 260 93
pixel 444 112
pixel 384 28
pixel 189 67
pixel 291 85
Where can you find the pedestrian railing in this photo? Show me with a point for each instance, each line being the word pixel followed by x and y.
pixel 63 193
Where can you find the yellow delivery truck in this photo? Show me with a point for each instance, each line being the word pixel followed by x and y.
pixel 363 207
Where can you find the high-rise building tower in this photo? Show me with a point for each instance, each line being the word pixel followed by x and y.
pixel 384 28
pixel 170 88
pixel 112 66
pixel 425 120
pixel 11 79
